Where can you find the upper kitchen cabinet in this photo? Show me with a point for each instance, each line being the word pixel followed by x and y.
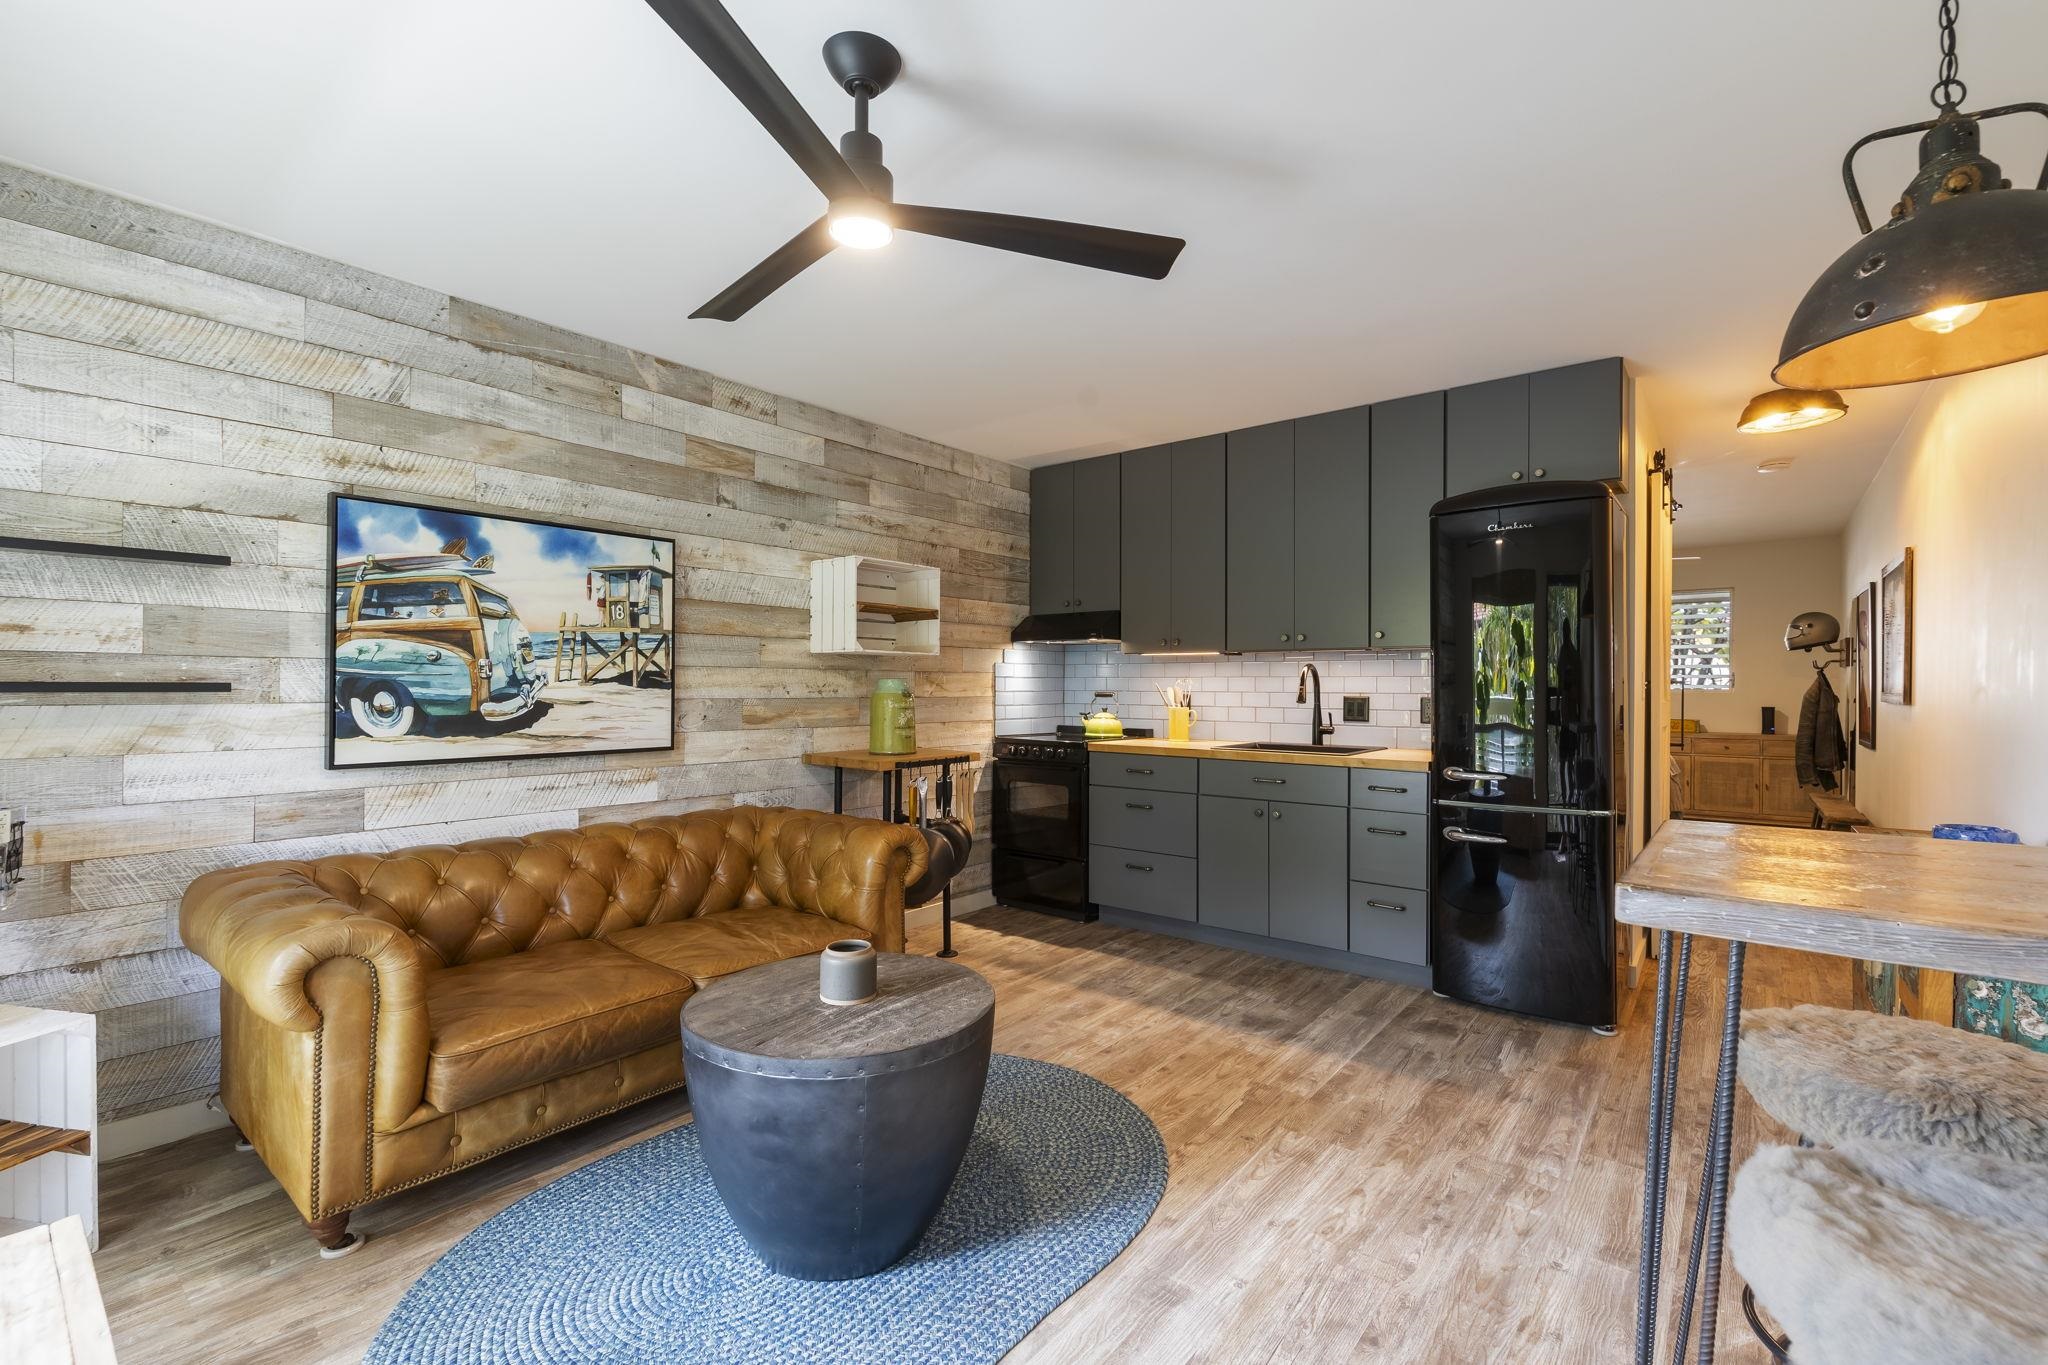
pixel 1486 434
pixel 1332 505
pixel 1407 480
pixel 1075 535
pixel 1173 518
pixel 1259 539
pixel 1578 421
pixel 1567 423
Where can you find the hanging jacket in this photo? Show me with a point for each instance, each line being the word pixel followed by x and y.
pixel 1821 747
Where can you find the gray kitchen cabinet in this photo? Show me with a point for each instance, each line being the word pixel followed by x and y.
pixel 1098 533
pixel 1486 435
pixel 1200 496
pixel 1577 421
pixel 1149 883
pixel 1052 539
pixel 1407 480
pixel 1157 822
pixel 1310 782
pixel 1307 895
pixel 1259 538
pixel 1147 536
pixel 1390 922
pixel 1332 507
pixel 1232 866
pixel 1390 847
pixel 1076 531
pixel 1389 789
pixel 1141 772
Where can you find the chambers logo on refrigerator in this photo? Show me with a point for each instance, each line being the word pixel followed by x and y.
pixel 1499 526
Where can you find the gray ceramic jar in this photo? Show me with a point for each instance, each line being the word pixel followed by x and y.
pixel 846 972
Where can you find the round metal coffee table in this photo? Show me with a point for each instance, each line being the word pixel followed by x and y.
pixel 834 1131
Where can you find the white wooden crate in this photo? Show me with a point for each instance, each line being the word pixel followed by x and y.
pixel 49 1070
pixel 861 605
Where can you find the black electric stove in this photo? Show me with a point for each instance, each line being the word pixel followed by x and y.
pixel 1038 846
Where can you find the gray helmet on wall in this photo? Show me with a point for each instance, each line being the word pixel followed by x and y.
pixel 1811 630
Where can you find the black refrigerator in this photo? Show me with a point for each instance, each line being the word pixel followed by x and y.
pixel 1526 800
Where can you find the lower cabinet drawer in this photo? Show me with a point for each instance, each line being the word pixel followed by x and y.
pixel 1390 847
pixel 1150 883
pixel 1313 783
pixel 1385 789
pixel 1157 822
pixel 1390 922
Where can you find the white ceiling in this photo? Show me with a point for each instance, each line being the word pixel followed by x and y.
pixel 1378 199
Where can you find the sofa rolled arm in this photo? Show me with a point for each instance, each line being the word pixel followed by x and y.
pixel 265 928
pixel 852 869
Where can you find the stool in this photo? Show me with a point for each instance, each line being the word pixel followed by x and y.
pixel 1837 1076
pixel 1876 1252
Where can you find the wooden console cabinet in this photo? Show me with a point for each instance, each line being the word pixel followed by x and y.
pixel 1750 778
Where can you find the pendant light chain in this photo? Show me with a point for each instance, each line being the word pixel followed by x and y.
pixel 1949 91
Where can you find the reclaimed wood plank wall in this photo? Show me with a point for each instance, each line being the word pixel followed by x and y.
pixel 172 384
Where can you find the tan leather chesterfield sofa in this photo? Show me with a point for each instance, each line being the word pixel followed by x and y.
pixel 387 1018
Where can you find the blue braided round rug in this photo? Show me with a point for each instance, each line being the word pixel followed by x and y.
pixel 633 1258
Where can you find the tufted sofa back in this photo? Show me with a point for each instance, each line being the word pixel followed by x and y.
pixel 475 901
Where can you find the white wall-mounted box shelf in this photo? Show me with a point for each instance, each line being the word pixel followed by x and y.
pixel 861 605
pixel 49 1118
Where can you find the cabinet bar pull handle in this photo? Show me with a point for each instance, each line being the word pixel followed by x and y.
pixel 1138 867
pixel 1137 805
pixel 1387 905
pixel 1373 787
pixel 1139 772
pixel 1397 833
pixel 1271 781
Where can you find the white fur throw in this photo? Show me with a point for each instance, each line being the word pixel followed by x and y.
pixel 1840 1075
pixel 1875 1252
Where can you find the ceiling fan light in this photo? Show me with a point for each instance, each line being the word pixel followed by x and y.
pixel 861 224
pixel 1790 410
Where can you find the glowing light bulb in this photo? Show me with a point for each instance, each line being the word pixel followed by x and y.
pixel 860 224
pixel 1945 320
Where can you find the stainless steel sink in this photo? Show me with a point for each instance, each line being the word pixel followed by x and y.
pixel 1274 746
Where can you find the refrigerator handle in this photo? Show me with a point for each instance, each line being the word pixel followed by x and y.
pixel 1456 774
pixel 1466 836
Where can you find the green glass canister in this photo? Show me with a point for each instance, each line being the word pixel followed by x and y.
pixel 892 718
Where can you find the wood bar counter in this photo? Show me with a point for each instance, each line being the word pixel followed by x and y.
pixel 1931 903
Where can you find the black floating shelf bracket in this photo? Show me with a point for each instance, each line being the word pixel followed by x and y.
pixel 86 547
pixel 102 685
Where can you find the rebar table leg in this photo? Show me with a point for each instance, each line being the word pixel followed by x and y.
pixel 1724 1141
pixel 1656 1163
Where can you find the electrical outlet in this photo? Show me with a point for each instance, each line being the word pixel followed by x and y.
pixel 1357 710
pixel 1428 709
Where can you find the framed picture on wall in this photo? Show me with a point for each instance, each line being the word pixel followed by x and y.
pixel 461 636
pixel 1866 667
pixel 1895 631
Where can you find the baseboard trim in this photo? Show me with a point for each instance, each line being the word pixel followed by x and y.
pixel 160 1127
pixel 967 903
pixel 157 1128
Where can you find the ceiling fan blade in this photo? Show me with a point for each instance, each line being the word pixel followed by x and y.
pixel 733 58
pixel 1100 248
pixel 784 264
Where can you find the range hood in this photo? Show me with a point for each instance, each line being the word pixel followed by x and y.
pixel 1069 628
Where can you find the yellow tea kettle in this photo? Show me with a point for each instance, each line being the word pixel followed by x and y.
pixel 1102 723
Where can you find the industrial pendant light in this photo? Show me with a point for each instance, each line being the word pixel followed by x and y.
pixel 1790 410
pixel 1956 281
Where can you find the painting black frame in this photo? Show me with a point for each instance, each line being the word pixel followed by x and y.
pixel 334 500
pixel 1865 627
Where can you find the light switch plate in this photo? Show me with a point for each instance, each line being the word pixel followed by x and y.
pixel 1357 710
pixel 1428 709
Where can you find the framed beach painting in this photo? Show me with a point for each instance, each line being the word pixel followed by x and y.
pixel 461 636
pixel 1895 631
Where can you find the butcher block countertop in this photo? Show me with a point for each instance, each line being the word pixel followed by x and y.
pixel 1939 903
pixel 1400 760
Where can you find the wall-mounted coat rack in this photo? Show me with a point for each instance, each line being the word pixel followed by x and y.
pixel 86 547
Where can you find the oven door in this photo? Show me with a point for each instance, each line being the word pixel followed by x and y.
pixel 1039 808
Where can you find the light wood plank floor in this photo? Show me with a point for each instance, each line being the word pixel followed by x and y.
pixel 1360 1171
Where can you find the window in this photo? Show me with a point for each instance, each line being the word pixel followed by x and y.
pixel 1699 640
pixel 411 600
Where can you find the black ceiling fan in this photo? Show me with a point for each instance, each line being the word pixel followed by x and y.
pixel 861 192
